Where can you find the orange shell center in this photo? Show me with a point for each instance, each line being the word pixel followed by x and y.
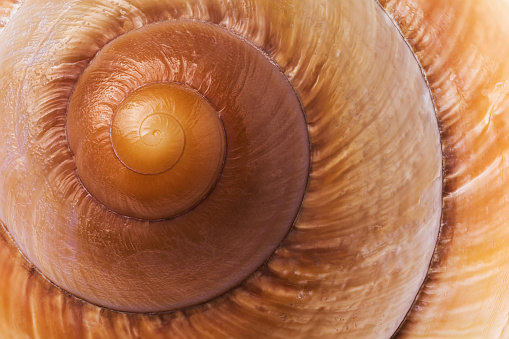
pixel 147 132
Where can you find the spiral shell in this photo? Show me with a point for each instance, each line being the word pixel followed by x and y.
pixel 251 168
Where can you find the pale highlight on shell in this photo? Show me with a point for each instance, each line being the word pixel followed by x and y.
pixel 353 184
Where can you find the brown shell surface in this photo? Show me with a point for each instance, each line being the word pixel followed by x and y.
pixel 354 262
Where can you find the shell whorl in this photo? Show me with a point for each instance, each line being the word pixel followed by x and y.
pixel 158 239
pixel 347 201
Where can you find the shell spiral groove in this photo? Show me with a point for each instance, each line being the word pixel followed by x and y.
pixel 255 168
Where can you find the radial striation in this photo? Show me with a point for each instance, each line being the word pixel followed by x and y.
pixel 463 48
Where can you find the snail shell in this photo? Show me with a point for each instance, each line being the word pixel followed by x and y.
pixel 247 169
